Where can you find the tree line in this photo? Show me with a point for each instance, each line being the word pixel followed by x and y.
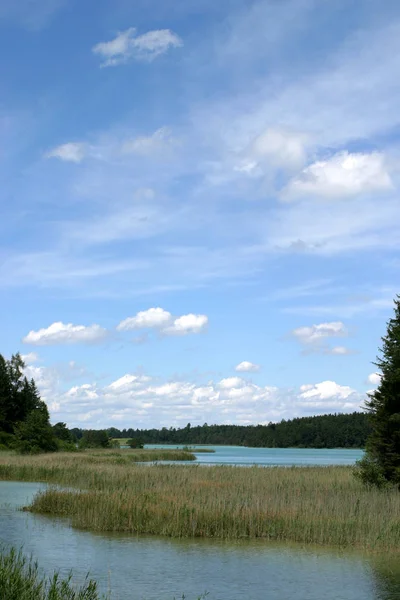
pixel 326 431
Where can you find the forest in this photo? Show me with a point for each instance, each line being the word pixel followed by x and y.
pixel 326 431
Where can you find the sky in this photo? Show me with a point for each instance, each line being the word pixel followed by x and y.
pixel 200 214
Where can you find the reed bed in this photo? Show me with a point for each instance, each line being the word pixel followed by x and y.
pixel 309 505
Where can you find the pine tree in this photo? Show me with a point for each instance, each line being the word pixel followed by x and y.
pixel 382 461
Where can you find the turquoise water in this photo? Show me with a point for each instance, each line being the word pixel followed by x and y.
pixel 238 455
pixel 150 568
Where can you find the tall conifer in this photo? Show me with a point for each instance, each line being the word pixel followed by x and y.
pixel 382 462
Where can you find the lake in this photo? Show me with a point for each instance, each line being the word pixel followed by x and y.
pixel 239 455
pixel 152 568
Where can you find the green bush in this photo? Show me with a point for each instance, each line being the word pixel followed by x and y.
pixel 135 443
pixel 370 473
pixel 35 434
pixel 7 441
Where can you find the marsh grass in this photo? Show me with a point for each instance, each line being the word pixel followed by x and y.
pixel 20 580
pixel 309 505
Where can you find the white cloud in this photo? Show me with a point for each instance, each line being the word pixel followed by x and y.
pixel 277 148
pixel 247 367
pixel 163 321
pixel 316 333
pixel 60 333
pixel 187 324
pixel 232 382
pixel 160 141
pixel 340 351
pixel 375 378
pixel 153 317
pixel 30 358
pixel 342 175
pixel 127 383
pixel 143 401
pixel 325 390
pixel 128 45
pixel 70 152
pixel 84 392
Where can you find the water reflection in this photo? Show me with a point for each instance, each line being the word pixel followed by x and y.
pixel 148 568
pixel 386 576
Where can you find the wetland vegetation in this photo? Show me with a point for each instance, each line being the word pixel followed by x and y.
pixel 309 505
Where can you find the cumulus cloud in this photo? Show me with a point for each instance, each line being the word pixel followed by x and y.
pixel 65 333
pixel 342 175
pixel 316 333
pixel 30 358
pixel 71 152
pixel 247 367
pixel 375 378
pixel 164 322
pixel 187 324
pixel 143 401
pixel 231 382
pixel 127 45
pixel 146 319
pixel 321 394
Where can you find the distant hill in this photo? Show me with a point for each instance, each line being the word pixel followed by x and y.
pixel 326 431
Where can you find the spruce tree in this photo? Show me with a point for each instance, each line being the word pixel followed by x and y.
pixel 5 397
pixel 382 460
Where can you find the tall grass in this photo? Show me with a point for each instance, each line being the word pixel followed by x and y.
pixel 310 505
pixel 20 580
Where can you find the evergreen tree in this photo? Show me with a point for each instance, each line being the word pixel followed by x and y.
pixel 382 461
pixel 24 418
pixel 5 397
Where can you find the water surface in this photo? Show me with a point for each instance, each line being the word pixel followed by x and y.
pixel 240 455
pixel 151 568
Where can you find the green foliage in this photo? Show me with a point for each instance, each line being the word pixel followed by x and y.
pixel 383 447
pixel 326 431
pixel 20 580
pixel 24 418
pixel 93 438
pixel 369 472
pixel 35 434
pixel 7 441
pixel 135 443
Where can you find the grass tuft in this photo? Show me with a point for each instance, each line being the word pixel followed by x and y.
pixel 20 580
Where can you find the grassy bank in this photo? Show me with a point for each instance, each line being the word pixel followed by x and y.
pixel 311 505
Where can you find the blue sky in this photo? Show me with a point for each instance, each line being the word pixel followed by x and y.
pixel 200 210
